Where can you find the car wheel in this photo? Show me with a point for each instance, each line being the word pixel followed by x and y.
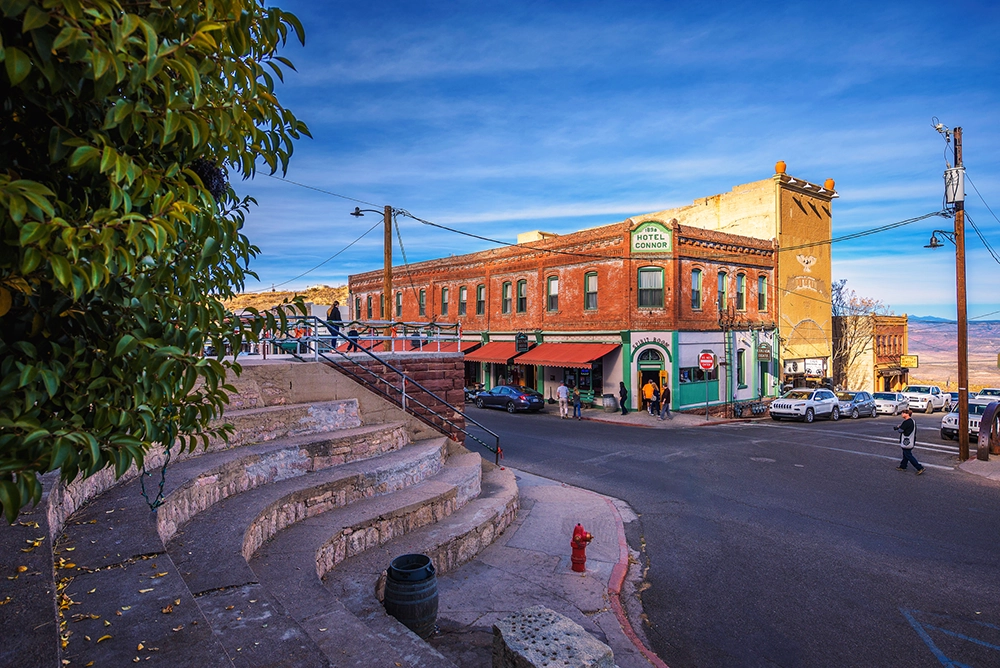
pixel 480 404
pixel 776 418
pixel 855 413
pixel 874 413
pixel 810 415
pixel 930 407
pixel 511 408
pixel 835 413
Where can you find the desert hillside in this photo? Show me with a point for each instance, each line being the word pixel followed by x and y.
pixel 318 294
pixel 936 345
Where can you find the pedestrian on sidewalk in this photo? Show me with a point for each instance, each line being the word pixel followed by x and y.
pixel 577 404
pixel 655 406
pixel 562 393
pixel 665 403
pixel 647 395
pixel 622 396
pixel 907 439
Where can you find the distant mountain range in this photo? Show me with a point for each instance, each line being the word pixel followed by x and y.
pixel 934 318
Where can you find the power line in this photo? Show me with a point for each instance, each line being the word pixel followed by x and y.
pixel 982 238
pixel 329 258
pixel 320 190
pixel 981 197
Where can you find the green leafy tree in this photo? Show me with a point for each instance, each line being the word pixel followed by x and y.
pixel 119 234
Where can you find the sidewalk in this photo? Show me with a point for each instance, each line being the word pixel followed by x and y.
pixel 530 565
pixel 641 418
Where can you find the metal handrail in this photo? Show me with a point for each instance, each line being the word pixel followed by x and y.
pixel 313 343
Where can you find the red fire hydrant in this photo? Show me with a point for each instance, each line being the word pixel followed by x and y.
pixel 580 539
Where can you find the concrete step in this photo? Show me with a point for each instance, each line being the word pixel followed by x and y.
pixel 291 564
pixel 213 548
pixel 118 525
pixel 453 541
pixel 256 425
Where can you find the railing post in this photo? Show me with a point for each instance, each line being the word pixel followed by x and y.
pixel 403 401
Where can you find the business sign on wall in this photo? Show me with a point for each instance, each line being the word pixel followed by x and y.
pixel 652 237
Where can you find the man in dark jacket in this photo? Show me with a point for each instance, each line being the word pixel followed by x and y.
pixel 334 320
pixel 907 439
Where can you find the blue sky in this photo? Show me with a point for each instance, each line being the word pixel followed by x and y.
pixel 499 118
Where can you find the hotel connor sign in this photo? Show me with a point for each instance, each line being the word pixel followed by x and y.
pixel 652 237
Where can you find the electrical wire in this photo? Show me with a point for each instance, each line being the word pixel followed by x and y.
pixel 278 285
pixel 969 179
pixel 982 238
pixel 320 190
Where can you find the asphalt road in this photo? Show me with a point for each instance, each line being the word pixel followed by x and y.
pixel 787 544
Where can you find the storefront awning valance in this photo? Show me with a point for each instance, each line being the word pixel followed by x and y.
pixel 452 346
pixel 572 355
pixel 498 352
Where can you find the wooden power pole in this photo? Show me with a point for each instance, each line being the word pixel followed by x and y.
pixel 387 276
pixel 963 322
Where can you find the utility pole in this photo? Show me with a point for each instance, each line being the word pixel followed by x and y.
pixel 387 277
pixel 963 323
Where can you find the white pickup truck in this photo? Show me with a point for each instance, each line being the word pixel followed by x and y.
pixel 927 398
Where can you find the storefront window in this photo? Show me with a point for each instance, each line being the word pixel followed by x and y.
pixel 694 374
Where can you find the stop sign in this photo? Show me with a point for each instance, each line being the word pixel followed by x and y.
pixel 706 360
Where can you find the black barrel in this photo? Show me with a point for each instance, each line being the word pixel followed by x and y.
pixel 411 593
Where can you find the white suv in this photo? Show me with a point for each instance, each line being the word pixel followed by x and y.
pixel 805 404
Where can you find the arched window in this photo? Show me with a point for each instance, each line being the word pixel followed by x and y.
pixel 463 295
pixel 650 355
pixel 741 292
pixel 369 307
pixel 723 299
pixel 522 296
pixel 650 292
pixel 444 301
pixel 480 299
pixel 505 298
pixel 590 291
pixel 423 302
pixel 762 293
pixel 552 293
pixel 696 288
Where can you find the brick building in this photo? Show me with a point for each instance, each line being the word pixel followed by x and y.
pixel 625 302
pixel 869 350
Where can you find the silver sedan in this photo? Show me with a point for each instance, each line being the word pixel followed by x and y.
pixel 890 403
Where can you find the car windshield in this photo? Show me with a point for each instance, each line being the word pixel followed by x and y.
pixel 922 389
pixel 887 396
pixel 991 392
pixel 974 409
pixel 845 396
pixel 797 394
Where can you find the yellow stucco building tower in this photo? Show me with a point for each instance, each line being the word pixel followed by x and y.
pixel 797 214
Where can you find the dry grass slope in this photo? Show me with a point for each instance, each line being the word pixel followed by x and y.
pixel 318 294
pixel 936 344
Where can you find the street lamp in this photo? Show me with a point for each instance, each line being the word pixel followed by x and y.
pixel 954 179
pixel 387 271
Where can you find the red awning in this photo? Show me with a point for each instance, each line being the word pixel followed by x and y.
pixel 498 352
pixel 450 346
pixel 574 355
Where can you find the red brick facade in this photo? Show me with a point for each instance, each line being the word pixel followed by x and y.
pixel 603 252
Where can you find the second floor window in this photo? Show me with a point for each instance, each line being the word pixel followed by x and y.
pixel 480 299
pixel 762 293
pixel 505 298
pixel 399 304
pixel 423 302
pixel 522 296
pixel 741 292
pixel 444 301
pixel 553 294
pixel 357 308
pixel 696 288
pixel 381 308
pixel 369 307
pixel 650 287
pixel 463 294
pixel 590 292
pixel 723 291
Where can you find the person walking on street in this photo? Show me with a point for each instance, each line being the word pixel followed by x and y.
pixel 577 404
pixel 665 403
pixel 562 393
pixel 647 395
pixel 907 439
pixel 623 396
pixel 654 408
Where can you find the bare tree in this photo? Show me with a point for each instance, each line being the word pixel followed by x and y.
pixel 853 329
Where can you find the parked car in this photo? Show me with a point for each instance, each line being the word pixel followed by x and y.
pixel 857 404
pixel 806 404
pixel 927 398
pixel 891 403
pixel 954 397
pixel 512 399
pixel 949 423
pixel 989 393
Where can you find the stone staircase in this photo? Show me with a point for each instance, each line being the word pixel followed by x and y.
pixel 266 551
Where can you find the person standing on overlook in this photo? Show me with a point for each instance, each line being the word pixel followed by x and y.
pixel 334 320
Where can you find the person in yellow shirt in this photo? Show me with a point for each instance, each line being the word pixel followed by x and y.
pixel 647 394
